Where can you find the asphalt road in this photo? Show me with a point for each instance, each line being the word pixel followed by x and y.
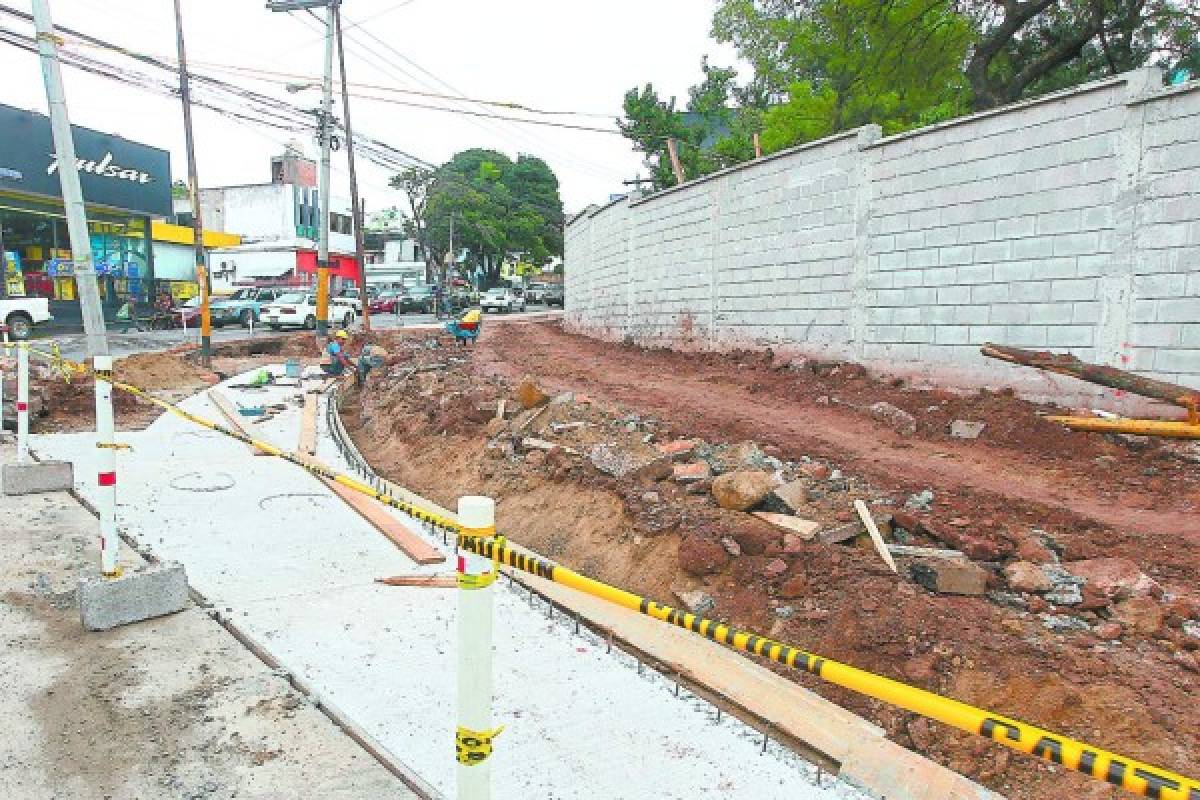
pixel 74 345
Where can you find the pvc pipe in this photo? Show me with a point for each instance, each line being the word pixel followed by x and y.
pixel 106 468
pixel 22 403
pixel 475 651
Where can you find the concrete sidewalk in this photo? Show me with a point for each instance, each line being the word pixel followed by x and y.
pixel 292 566
pixel 173 707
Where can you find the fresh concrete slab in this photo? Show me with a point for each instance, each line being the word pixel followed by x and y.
pixel 35 477
pixel 173 707
pixel 272 549
pixel 149 591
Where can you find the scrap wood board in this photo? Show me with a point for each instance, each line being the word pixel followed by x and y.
pixel 308 425
pixel 399 534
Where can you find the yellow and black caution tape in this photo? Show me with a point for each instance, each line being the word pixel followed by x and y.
pixel 474 747
pixel 1130 774
pixel 1135 776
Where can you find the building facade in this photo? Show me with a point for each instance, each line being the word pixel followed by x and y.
pixel 279 226
pixel 125 185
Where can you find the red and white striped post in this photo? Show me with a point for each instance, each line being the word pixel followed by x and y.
pixel 106 467
pixel 22 403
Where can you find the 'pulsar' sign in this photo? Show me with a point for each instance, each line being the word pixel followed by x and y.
pixel 105 168
pixel 115 174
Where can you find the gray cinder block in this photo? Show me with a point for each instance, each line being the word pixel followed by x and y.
pixel 38 476
pixel 150 591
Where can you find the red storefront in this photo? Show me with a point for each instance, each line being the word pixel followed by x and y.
pixel 344 267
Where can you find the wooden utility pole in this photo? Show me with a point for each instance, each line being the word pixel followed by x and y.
pixel 194 195
pixel 676 167
pixel 355 204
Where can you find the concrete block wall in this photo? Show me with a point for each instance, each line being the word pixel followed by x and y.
pixel 1069 223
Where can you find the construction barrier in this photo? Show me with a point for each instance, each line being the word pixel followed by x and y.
pixel 1130 774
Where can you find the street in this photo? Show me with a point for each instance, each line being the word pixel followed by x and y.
pixel 74 345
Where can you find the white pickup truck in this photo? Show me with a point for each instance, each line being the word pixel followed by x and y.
pixel 20 314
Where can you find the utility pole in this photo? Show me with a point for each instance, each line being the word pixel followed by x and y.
pixel 355 204
pixel 194 194
pixel 324 136
pixel 85 285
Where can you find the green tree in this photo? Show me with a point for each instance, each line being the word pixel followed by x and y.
pixel 1028 47
pixel 838 65
pixel 495 207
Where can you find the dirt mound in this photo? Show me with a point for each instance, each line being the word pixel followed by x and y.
pixel 1024 491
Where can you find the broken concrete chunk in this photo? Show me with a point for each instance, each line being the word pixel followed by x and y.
pixel 921 501
pixel 898 419
pixel 691 473
pixel 1062 623
pixel 731 546
pixel 697 602
pixel 742 490
pixel 620 463
pixel 841 533
pixel 962 429
pixel 788 498
pixel 1139 614
pixel 1025 576
pixel 775 568
pixel 949 575
pixel 679 449
pixel 804 528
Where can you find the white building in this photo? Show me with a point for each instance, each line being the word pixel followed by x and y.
pixel 279 224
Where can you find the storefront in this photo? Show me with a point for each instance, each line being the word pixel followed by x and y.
pixel 124 183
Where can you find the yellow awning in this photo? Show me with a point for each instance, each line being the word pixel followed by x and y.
pixel 181 234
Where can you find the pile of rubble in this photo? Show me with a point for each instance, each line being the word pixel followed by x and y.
pixel 765 506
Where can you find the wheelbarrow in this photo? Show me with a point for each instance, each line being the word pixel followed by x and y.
pixel 464 332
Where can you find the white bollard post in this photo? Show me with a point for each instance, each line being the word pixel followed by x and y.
pixel 106 467
pixel 22 403
pixel 474 735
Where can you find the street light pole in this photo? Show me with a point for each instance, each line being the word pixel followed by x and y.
pixel 324 135
pixel 356 209
pixel 194 194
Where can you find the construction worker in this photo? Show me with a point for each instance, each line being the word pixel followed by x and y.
pixel 335 347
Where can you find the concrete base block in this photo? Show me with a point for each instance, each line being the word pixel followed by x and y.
pixel 38 476
pixel 151 591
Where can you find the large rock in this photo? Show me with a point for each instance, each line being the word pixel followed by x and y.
pixel 1114 578
pixel 1140 615
pixel 700 556
pixel 734 457
pixel 949 575
pixel 530 395
pixel 981 545
pixel 742 490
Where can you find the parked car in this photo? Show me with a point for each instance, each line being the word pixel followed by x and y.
pixel 188 314
pixel 20 314
pixel 243 306
pixel 385 302
pixel 554 296
pixel 417 298
pixel 299 310
pixel 502 298
pixel 535 293
pixel 350 297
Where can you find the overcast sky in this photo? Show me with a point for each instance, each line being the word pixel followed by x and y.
pixel 545 54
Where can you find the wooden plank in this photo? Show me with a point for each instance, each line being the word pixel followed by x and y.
pixel 804 528
pixel 308 425
pixel 411 544
pixel 865 515
pixel 428 581
pixel 830 733
pixel 230 412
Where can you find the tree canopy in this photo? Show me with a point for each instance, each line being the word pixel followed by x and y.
pixel 821 66
pixel 496 207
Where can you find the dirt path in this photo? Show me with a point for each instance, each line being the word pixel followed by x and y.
pixel 711 396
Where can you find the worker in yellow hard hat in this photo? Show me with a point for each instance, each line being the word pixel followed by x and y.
pixel 335 348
